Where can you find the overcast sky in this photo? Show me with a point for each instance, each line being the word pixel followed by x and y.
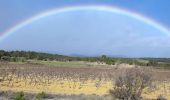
pixel 87 31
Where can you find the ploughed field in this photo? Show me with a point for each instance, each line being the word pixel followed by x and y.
pixel 84 78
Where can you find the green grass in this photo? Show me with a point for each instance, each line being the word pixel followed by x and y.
pixel 142 61
pixel 62 64
pixel 17 62
pixel 74 64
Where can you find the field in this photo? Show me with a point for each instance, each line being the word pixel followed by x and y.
pixel 68 78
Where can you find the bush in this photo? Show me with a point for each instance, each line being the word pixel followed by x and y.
pixel 20 96
pixel 5 58
pixel 160 97
pixel 41 95
pixel 130 84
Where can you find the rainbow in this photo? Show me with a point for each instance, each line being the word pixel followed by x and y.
pixel 87 7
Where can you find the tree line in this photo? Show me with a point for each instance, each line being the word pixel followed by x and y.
pixel 22 56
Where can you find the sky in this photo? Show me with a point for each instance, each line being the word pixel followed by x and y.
pixel 87 32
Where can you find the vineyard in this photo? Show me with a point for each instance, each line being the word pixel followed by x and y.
pixel 35 78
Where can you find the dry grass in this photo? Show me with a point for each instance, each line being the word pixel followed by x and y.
pixel 36 78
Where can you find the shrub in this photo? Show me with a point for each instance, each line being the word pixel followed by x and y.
pixel 5 58
pixel 129 86
pixel 160 97
pixel 20 96
pixel 41 95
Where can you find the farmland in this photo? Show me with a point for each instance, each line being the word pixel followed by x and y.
pixel 82 77
pixel 54 77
